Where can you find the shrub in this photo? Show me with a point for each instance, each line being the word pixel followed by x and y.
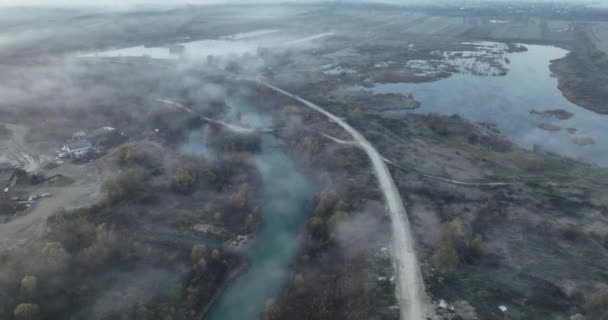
pixel 342 206
pixel 7 206
pixel 356 115
pixel 337 218
pixel 129 183
pixel 597 302
pixel 445 258
pixel 4 131
pixel 570 232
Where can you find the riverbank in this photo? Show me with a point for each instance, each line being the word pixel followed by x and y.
pixel 582 73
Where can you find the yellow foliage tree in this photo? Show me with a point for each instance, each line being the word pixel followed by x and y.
pixel 29 284
pixel 597 302
pixel 456 229
pixel 216 254
pixel 298 279
pixel 476 244
pixel 337 218
pixel 271 310
pixel 55 253
pixel 27 311
pixel 199 251
pixel 126 155
pixel 186 175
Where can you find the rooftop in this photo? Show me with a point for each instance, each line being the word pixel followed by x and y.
pixel 83 144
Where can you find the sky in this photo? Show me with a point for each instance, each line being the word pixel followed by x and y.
pixel 127 3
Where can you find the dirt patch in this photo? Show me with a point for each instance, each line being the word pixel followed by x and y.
pixel 560 114
pixel 583 141
pixel 549 127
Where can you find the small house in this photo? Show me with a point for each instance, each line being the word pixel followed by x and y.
pixel 78 149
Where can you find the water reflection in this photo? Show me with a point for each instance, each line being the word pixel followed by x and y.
pixel 508 100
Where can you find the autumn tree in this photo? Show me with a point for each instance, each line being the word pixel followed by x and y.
pixel 27 311
pixel 597 302
pixel 271 310
pixel 29 284
pixel 126 155
pixel 144 313
pixel 445 258
pixel 326 201
pixel 238 199
pixel 198 251
pixel 342 205
pixel 216 254
pixel 55 254
pixel 356 114
pixel 186 174
pixel 298 279
pixel 455 229
pixel 337 218
pixel 475 247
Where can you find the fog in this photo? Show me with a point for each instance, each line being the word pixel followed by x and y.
pixel 118 4
pixel 300 209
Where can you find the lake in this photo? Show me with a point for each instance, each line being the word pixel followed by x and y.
pixel 507 101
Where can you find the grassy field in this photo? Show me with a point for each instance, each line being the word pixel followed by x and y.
pixel 599 35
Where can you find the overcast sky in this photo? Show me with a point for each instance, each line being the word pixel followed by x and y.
pixel 127 3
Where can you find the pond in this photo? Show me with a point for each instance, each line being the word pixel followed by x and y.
pixel 507 101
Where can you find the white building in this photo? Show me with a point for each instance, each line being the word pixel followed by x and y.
pixel 78 149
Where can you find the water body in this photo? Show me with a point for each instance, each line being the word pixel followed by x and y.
pixel 288 201
pixel 247 43
pixel 507 101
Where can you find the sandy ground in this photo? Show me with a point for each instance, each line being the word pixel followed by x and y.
pixel 13 150
pixel 413 301
pixel 29 225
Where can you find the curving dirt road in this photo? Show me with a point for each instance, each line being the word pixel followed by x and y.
pixel 410 287
pixel 233 127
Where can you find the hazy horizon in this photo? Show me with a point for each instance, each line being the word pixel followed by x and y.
pixel 131 3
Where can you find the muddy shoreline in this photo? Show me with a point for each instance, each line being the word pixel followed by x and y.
pixel 582 74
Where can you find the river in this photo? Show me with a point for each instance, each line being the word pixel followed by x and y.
pixel 288 202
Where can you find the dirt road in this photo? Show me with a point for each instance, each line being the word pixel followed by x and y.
pixel 411 294
pixel 25 229
pixel 30 225
pixel 232 127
